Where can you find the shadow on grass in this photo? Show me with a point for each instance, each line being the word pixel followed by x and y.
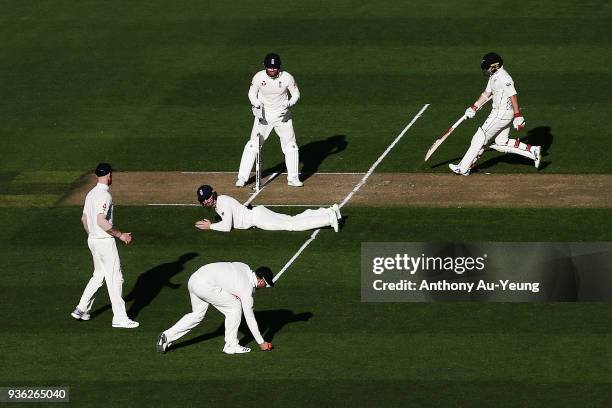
pixel 312 156
pixel 270 322
pixel 150 283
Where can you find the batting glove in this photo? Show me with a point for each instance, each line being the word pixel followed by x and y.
pixel 518 122
pixel 470 112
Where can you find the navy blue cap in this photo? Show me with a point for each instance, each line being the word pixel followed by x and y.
pixel 103 169
pixel 265 273
pixel 272 60
pixel 204 192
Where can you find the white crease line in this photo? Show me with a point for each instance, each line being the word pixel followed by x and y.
pixel 173 205
pixel 265 205
pixel 357 187
pixel 382 156
pixel 297 205
pixel 233 172
pixel 295 256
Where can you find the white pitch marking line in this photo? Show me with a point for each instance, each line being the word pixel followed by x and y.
pixel 173 205
pixel 265 183
pixel 233 172
pixel 265 205
pixel 350 195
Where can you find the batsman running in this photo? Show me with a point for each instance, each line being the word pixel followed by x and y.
pixel 271 105
pixel 505 112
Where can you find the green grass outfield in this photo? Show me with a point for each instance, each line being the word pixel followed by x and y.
pixel 162 86
pixel 329 345
pixel 153 86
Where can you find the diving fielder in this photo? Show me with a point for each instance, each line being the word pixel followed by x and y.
pixel 229 287
pixel 97 221
pixel 270 105
pixel 505 112
pixel 234 214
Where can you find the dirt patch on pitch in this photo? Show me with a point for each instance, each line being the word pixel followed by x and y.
pixel 381 190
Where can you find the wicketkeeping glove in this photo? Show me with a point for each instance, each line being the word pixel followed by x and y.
pixel 518 122
pixel 470 112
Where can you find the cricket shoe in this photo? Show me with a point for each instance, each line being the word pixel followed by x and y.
pixel 537 152
pixel 333 221
pixel 126 324
pixel 336 210
pixel 295 182
pixel 162 343
pixel 238 349
pixel 457 170
pixel 240 182
pixel 80 315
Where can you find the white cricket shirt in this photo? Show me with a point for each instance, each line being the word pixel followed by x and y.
pixel 239 280
pixel 98 201
pixel 231 213
pixel 502 87
pixel 273 93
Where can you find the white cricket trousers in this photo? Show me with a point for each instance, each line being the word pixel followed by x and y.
pixel 266 219
pixel 289 146
pixel 496 126
pixel 107 267
pixel 202 293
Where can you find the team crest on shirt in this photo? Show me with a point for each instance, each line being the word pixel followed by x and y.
pixel 263 83
pixel 104 206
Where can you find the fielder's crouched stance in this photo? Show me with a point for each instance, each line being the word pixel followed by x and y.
pixel 97 221
pixel 505 112
pixel 270 105
pixel 229 287
pixel 234 214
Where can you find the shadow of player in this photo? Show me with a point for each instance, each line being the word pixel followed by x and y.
pixel 539 136
pixel 270 322
pixel 312 156
pixel 150 283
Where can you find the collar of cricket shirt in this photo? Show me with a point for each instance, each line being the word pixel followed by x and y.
pixel 102 186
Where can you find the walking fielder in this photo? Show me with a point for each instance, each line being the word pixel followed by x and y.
pixel 269 96
pixel 229 287
pixel 234 214
pixel 97 221
pixel 505 112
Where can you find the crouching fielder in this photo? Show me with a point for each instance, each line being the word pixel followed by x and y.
pixel 268 95
pixel 505 112
pixel 234 214
pixel 229 287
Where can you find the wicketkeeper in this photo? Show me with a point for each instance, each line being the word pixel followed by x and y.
pixel 505 112
pixel 271 105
